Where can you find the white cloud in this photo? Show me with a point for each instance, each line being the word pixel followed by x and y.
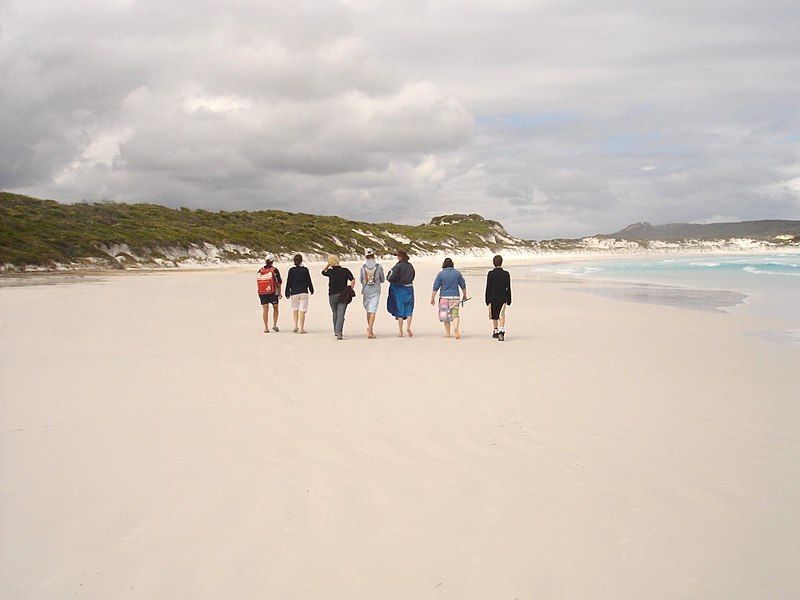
pixel 559 118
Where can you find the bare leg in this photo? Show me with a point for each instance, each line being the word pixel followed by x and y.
pixel 456 321
pixel 370 325
pixel 494 324
pixel 501 332
pixel 265 316
pixel 408 326
pixel 295 316
pixel 275 316
pixel 400 327
pixel 447 330
pixel 302 319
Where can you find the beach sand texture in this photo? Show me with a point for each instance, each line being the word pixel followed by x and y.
pixel 156 444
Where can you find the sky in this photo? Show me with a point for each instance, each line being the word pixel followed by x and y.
pixel 559 119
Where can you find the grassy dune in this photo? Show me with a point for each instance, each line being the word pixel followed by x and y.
pixel 45 233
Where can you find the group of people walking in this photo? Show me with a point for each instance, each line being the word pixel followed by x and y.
pixel 449 284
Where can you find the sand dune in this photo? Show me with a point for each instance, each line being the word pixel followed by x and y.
pixel 156 444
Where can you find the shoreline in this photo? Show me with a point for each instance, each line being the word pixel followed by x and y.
pixel 511 257
pixel 691 296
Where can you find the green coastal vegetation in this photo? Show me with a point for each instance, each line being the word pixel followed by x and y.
pixel 46 234
pixel 43 235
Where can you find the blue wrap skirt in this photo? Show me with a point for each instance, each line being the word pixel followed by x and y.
pixel 400 302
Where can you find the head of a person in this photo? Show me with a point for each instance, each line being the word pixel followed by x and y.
pixel 497 261
pixel 401 255
pixel 369 253
pixel 448 262
pixel 269 260
pixel 298 260
pixel 333 260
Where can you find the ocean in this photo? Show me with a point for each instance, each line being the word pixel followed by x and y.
pixel 767 285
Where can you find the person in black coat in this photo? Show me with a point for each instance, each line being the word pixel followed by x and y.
pixel 498 297
pixel 298 288
pixel 340 292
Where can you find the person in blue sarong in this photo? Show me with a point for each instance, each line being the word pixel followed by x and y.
pixel 400 301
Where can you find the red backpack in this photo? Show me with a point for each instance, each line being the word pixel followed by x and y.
pixel 267 283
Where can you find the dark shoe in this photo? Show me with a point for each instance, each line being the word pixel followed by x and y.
pixel 495 334
pixel 338 336
pixel 275 328
pixel 501 337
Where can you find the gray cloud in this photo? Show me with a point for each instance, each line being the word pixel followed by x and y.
pixel 556 118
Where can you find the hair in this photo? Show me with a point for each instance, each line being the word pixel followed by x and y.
pixel 333 260
pixel 298 259
pixel 268 261
pixel 497 261
pixel 402 254
pixel 448 262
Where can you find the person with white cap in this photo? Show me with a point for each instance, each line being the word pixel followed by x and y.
pixel 269 292
pixel 372 277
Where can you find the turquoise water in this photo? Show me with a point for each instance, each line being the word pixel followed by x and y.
pixel 767 285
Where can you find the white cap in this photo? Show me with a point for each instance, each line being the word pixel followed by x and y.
pixel 270 258
pixel 369 251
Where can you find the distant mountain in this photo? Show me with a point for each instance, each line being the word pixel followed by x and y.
pixel 43 234
pixel 677 232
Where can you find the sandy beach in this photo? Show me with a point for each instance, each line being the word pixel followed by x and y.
pixel 156 444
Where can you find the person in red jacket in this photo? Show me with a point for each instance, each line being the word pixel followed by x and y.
pixel 269 292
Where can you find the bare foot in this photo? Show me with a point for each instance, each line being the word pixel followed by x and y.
pixel 410 333
pixel 372 336
pixel 458 335
pixel 447 336
pixel 303 331
pixel 400 334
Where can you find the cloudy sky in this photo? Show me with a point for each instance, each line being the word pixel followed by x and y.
pixel 558 118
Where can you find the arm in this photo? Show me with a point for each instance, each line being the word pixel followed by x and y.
pixel 290 277
pixel 382 277
pixel 390 277
pixel 463 285
pixel 310 283
pixel 437 283
pixel 488 280
pixel 508 289
pixel 361 275
pixel 279 281
pixel 352 279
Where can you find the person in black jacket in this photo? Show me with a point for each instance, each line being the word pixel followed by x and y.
pixel 340 292
pixel 498 296
pixel 298 288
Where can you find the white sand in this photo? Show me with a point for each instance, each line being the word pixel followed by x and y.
pixel 156 444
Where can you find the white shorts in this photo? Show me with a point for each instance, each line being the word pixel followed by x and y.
pixel 299 302
pixel 371 303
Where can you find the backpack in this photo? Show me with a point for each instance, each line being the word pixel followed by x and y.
pixel 370 274
pixel 266 281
